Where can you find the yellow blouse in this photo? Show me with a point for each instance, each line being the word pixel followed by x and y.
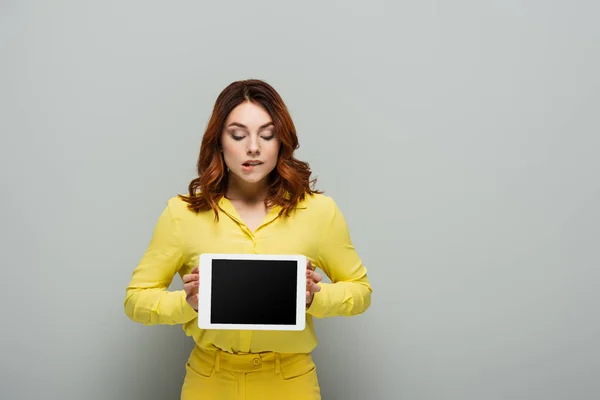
pixel 315 229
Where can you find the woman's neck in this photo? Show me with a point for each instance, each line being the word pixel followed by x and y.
pixel 240 190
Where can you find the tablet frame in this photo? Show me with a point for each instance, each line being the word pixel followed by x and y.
pixel 205 291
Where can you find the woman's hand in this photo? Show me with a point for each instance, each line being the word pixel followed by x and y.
pixel 312 278
pixel 191 282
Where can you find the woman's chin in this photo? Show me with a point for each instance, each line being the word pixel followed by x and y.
pixel 251 178
pixel 253 181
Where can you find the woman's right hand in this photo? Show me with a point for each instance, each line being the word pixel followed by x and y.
pixel 191 282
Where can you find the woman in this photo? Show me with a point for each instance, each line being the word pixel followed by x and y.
pixel 251 196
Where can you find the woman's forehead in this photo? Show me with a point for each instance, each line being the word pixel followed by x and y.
pixel 249 115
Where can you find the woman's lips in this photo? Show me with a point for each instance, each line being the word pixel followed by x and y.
pixel 247 167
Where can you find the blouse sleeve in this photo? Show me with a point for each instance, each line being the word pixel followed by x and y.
pixel 349 292
pixel 147 300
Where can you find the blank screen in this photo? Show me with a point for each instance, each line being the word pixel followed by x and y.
pixel 253 292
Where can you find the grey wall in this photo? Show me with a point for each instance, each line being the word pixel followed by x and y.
pixel 459 138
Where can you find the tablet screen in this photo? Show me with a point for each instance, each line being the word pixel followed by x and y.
pixel 254 292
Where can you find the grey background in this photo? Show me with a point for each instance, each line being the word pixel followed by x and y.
pixel 460 139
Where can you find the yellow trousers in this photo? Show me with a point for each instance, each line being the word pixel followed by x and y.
pixel 217 375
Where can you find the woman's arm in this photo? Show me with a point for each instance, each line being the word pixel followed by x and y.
pixel 147 300
pixel 350 290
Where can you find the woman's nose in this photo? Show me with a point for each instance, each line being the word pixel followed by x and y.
pixel 253 148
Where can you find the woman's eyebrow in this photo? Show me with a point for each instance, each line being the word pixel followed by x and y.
pixel 268 124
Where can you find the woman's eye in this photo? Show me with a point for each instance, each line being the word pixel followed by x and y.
pixel 238 138
pixel 268 137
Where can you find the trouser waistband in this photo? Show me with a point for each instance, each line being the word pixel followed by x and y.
pixel 247 362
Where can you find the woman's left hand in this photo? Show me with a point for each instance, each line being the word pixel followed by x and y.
pixel 312 278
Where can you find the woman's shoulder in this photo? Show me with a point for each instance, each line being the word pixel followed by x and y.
pixel 318 202
pixel 176 203
pixel 179 208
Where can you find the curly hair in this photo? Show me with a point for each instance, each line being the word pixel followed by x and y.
pixel 289 182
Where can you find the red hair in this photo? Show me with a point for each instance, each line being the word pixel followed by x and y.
pixel 289 182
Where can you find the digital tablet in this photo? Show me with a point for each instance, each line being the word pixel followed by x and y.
pixel 252 292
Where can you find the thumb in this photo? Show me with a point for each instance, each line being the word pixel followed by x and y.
pixel 309 265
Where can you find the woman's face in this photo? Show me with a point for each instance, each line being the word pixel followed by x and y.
pixel 250 147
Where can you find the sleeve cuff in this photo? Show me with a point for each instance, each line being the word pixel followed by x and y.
pixel 318 307
pixel 187 312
